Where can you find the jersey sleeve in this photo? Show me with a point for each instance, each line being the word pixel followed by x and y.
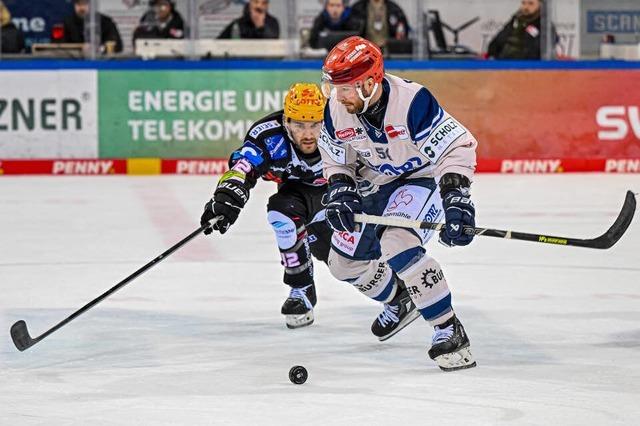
pixel 441 138
pixel 252 159
pixel 337 157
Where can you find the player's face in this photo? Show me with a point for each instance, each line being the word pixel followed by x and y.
pixel 305 134
pixel 347 95
pixel 529 7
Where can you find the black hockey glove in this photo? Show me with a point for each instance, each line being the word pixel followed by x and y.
pixel 342 203
pixel 459 210
pixel 228 199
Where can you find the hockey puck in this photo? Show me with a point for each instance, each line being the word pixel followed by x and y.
pixel 298 374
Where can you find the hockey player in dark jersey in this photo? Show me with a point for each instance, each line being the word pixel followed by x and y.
pixel 282 147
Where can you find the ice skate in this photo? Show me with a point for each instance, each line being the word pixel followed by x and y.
pixel 450 346
pixel 397 314
pixel 298 308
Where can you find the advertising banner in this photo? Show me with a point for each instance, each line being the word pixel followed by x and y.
pixel 193 114
pixel 46 114
pixel 543 114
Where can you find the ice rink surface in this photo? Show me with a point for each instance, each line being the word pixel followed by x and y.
pixel 200 339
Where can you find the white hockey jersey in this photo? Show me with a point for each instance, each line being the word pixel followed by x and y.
pixel 417 138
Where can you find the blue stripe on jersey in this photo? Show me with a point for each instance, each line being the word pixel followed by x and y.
pixel 424 113
pixel 328 122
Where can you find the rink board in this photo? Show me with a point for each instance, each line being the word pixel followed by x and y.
pixel 157 166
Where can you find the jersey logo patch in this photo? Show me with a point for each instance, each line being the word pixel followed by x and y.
pixel 277 147
pixel 441 138
pixel 401 198
pixel 262 127
pixel 336 153
pixel 346 133
pixel 252 153
pixel 390 170
pixel 396 132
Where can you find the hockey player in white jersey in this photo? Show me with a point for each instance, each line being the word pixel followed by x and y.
pixel 390 149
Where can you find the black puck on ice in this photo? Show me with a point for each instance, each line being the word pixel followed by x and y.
pixel 298 374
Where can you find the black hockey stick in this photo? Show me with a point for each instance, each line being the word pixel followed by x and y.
pixel 20 334
pixel 604 241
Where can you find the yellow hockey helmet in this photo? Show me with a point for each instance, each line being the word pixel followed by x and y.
pixel 304 102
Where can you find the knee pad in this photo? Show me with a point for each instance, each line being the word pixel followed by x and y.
pixel 285 228
pixel 372 278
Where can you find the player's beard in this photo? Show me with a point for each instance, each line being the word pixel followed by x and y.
pixel 307 145
pixel 354 108
pixel 358 106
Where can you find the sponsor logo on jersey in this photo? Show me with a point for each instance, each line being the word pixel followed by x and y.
pixel 346 133
pixel 365 153
pixel 401 198
pixel 441 138
pixel 259 128
pixel 391 170
pixel 252 153
pixel 277 147
pixel 336 153
pixel 432 214
pixel 396 132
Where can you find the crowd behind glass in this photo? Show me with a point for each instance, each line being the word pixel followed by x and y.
pixel 381 21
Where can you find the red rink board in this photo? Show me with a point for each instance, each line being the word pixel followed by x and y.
pixel 94 167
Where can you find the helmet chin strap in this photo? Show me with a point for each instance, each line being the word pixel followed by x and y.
pixel 366 100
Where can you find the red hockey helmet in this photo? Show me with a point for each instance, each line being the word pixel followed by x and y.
pixel 351 62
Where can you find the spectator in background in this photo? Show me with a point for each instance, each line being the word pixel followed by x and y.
pixel 255 22
pixel 383 19
pixel 12 38
pixel 161 21
pixel 520 37
pixel 336 16
pixel 74 27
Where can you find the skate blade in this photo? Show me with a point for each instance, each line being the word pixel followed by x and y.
pixel 298 321
pixel 413 315
pixel 456 360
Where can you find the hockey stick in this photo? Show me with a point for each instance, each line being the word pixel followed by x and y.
pixel 604 241
pixel 20 334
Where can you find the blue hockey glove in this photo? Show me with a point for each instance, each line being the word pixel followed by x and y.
pixel 459 210
pixel 343 202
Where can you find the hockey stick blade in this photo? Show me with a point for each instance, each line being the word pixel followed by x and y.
pixel 619 227
pixel 20 336
pixel 603 242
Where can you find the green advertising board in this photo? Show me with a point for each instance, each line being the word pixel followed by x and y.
pixel 178 114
